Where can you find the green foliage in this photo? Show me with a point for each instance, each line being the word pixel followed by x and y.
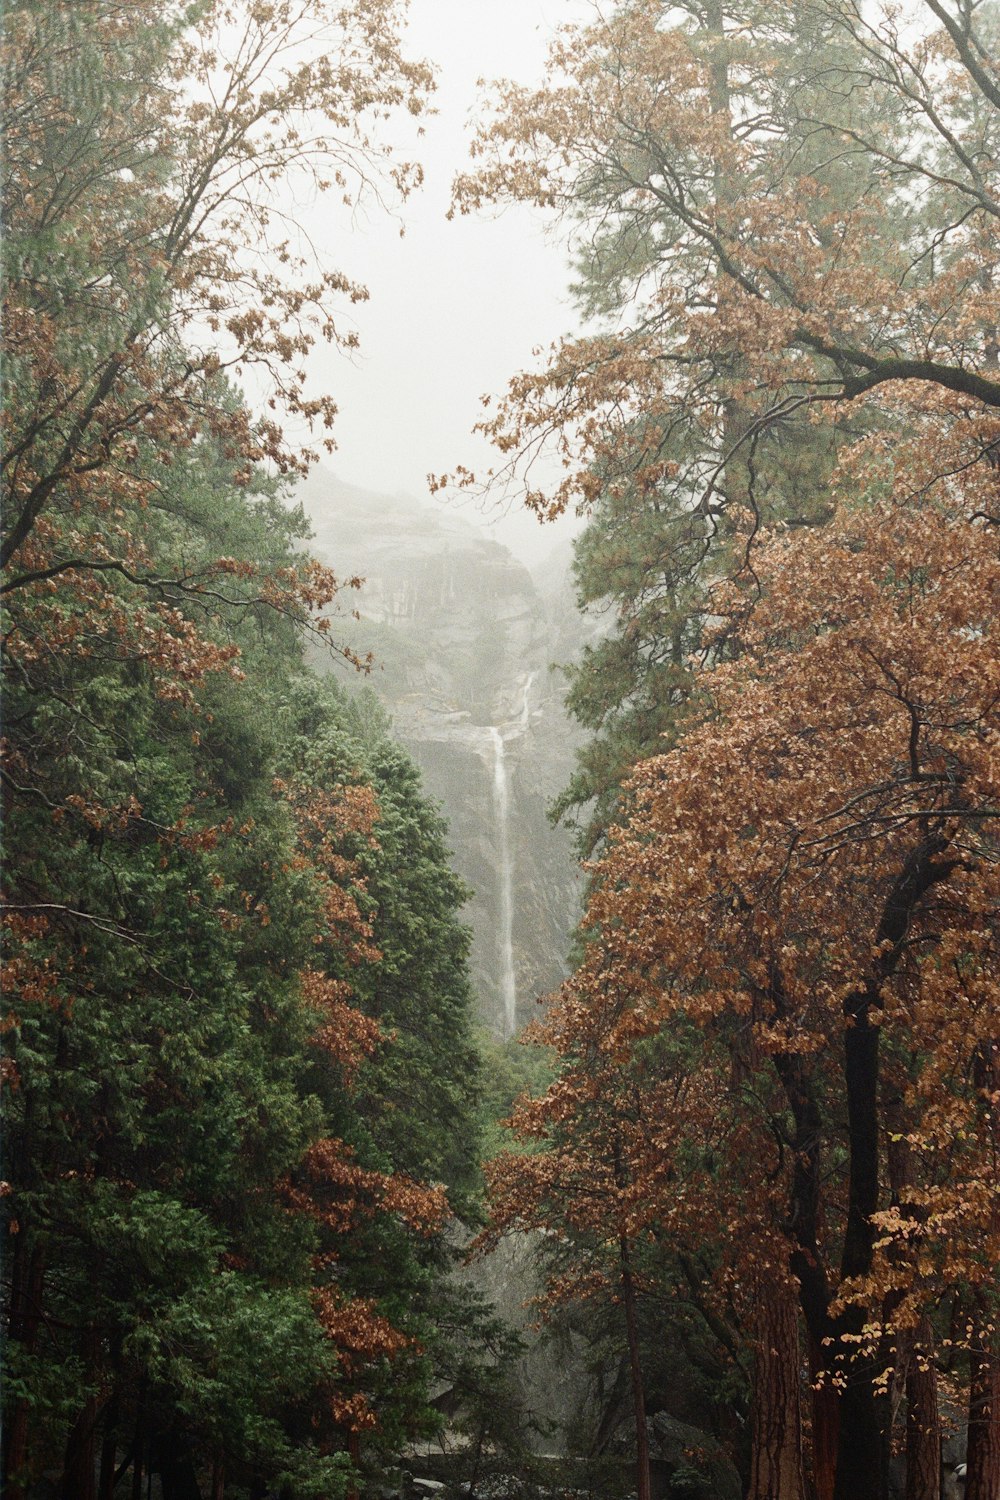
pixel 644 564
pixel 163 905
pixel 510 1069
pixel 417 1094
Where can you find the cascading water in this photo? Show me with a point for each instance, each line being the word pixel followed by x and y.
pixel 501 812
pixel 501 815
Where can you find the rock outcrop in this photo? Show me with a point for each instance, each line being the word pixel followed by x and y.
pixel 465 640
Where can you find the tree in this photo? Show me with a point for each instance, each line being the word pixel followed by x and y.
pixel 780 211
pixel 783 223
pixel 792 960
pixel 423 1088
pixel 645 570
pixel 193 1198
pixel 143 142
pixel 192 1191
pixel 658 125
pixel 418 1093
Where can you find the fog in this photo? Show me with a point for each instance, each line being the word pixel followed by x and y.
pixel 456 307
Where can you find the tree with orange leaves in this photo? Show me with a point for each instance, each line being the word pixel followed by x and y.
pixel 210 1261
pixel 783 223
pixel 146 248
pixel 791 982
pixel 779 212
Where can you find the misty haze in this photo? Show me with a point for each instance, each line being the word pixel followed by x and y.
pixel 501 750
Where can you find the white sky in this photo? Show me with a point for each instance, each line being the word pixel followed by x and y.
pixel 456 308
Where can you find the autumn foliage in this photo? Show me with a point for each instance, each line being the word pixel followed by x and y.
pixel 783 1038
pixel 213 1269
pixel 778 1090
pixel 775 209
pixel 237 1067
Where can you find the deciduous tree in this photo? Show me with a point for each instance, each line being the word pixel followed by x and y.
pixel 779 211
pixel 792 964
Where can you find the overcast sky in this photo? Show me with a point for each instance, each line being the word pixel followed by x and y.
pixel 456 308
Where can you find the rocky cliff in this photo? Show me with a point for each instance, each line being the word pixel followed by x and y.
pixel 465 640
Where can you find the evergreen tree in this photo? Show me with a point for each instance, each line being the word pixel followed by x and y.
pixel 214 1249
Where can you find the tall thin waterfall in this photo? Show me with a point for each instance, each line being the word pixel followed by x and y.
pixel 501 811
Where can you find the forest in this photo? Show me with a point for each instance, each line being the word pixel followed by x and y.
pixel 255 1144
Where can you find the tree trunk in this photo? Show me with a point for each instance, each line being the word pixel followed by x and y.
pixel 806 1261
pixel 776 1452
pixel 354 1454
pixel 643 1482
pixel 79 1481
pixel 862 1450
pixel 982 1479
pixel 141 1443
pixel 825 1426
pixel 109 1449
pixel 923 1423
pixel 24 1315
pixel 862 1453
pixel 916 1365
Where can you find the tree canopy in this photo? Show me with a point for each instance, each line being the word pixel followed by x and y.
pixel 222 1255
pixel 777 1088
pixel 240 1080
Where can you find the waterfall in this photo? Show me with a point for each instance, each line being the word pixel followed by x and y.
pixel 501 812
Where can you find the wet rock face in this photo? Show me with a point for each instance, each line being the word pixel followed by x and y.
pixel 465 638
pixel 685 1460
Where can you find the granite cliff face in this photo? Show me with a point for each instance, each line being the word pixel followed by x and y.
pixel 465 638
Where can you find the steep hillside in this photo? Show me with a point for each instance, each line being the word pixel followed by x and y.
pixel 465 640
